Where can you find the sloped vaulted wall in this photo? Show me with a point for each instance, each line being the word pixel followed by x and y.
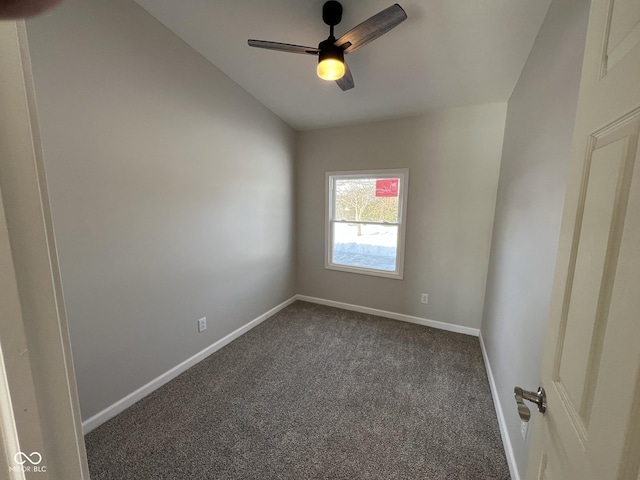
pixel 171 191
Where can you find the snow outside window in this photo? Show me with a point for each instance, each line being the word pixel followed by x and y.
pixel 366 213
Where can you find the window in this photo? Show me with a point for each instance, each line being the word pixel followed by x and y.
pixel 366 214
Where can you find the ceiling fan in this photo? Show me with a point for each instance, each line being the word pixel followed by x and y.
pixel 330 52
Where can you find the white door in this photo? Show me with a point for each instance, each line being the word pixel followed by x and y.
pixel 591 366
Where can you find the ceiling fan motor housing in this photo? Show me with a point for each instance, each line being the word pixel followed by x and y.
pixel 328 49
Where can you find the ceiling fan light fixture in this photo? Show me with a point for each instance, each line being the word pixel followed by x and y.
pixel 331 69
pixel 331 64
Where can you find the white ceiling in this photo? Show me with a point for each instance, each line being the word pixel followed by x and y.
pixel 447 53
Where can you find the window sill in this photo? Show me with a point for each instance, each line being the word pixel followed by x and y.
pixel 365 271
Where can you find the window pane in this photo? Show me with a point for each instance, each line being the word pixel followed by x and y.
pixel 365 245
pixel 367 199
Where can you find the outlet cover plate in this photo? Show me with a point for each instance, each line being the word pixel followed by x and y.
pixel 202 324
pixel 424 298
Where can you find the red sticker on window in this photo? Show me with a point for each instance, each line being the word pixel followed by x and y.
pixel 387 187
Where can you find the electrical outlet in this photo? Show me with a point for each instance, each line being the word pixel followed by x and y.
pixel 202 324
pixel 424 298
pixel 524 428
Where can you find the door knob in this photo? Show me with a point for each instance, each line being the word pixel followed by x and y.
pixel 539 398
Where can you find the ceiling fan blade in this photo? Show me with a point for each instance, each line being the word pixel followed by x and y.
pixel 283 47
pixel 372 28
pixel 346 82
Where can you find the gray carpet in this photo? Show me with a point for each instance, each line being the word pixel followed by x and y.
pixel 315 393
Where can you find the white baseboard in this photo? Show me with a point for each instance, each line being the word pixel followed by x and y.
pixel 124 403
pixel 504 432
pixel 395 316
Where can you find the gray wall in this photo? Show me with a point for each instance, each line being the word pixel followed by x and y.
pixel 453 158
pixel 171 191
pixel 533 173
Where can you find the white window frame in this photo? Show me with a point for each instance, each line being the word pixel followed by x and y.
pixel 330 177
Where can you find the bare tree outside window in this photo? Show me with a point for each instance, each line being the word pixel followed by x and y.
pixel 356 201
